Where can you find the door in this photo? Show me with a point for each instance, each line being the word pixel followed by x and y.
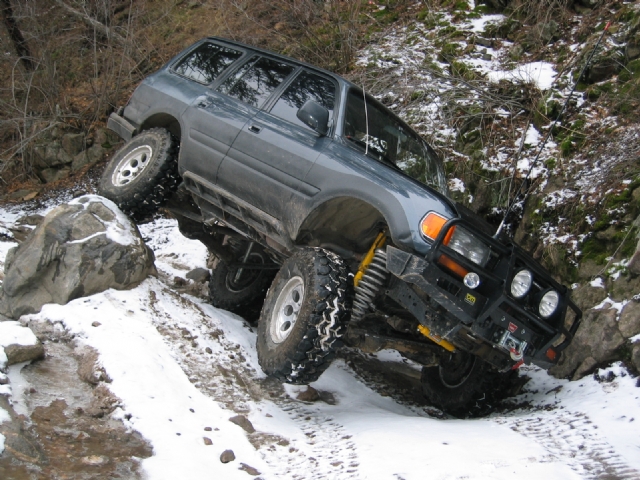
pixel 212 121
pixel 272 154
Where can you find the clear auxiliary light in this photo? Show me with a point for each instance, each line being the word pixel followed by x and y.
pixel 549 303
pixel 521 283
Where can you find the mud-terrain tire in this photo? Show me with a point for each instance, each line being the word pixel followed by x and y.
pixel 304 315
pixel 462 385
pixel 239 296
pixel 143 174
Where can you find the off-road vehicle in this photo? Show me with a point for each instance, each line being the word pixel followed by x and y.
pixel 279 166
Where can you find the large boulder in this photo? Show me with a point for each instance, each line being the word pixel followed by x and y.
pixel 595 342
pixel 80 248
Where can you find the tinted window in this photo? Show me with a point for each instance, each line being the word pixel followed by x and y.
pixel 307 86
pixel 378 132
pixel 206 62
pixel 254 83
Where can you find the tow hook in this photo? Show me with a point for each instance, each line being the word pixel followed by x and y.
pixel 515 346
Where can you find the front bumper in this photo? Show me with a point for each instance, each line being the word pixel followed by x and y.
pixel 486 321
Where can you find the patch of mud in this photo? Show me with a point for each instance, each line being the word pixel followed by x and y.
pixel 60 426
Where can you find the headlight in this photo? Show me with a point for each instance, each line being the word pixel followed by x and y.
pixel 469 246
pixel 549 303
pixel 458 239
pixel 521 283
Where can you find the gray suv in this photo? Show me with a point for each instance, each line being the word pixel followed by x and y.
pixel 300 183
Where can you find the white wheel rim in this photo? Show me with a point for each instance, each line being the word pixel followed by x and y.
pixel 132 165
pixel 286 310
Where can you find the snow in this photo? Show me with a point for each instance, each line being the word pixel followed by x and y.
pixel 479 25
pixel 119 230
pixel 361 434
pixel 168 389
pixel 542 74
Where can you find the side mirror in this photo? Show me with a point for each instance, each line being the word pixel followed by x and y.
pixel 315 116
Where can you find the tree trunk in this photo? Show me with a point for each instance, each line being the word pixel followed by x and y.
pixel 19 43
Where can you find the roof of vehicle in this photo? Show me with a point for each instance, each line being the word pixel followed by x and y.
pixel 283 57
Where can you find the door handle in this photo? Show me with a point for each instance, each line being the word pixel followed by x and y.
pixel 205 102
pixel 255 129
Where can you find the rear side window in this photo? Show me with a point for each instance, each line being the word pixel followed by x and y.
pixel 207 62
pixel 308 86
pixel 254 83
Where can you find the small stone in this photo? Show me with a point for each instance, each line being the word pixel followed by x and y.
pixel 249 469
pixel 93 460
pixel 207 441
pixel 208 350
pixel 207 429
pixel 243 422
pixel 199 275
pixel 179 281
pixel 96 324
pixel 309 395
pixel 23 353
pixel 227 456
pixel 4 380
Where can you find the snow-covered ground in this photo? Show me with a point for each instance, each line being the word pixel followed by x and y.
pixel 183 368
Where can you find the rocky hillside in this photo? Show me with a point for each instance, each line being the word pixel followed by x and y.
pixel 485 82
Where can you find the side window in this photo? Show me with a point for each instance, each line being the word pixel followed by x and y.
pixel 307 86
pixel 254 82
pixel 207 62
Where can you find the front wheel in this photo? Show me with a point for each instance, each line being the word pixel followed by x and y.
pixel 304 315
pixel 462 384
pixel 142 174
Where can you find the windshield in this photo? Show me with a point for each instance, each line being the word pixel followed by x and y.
pixel 386 138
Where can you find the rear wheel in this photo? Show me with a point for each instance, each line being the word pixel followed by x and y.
pixel 240 290
pixel 142 174
pixel 304 315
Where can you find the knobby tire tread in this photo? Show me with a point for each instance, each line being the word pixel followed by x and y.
pixel 326 324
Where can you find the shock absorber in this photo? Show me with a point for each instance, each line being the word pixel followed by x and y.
pixel 374 276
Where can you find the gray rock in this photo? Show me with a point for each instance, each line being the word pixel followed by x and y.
pixel 629 322
pixel 50 175
pixel 23 353
pixel 199 275
pixel 585 368
pixel 485 42
pixel 597 337
pixel 105 138
pixel 634 263
pixel 73 143
pixel 587 296
pixel 81 248
pixel 243 422
pixel 227 456
pixel 548 31
pixel 635 356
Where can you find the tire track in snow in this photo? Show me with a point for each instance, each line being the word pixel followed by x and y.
pixel 223 374
pixel 572 438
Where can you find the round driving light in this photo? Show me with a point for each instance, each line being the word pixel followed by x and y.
pixel 549 303
pixel 521 283
pixel 471 280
